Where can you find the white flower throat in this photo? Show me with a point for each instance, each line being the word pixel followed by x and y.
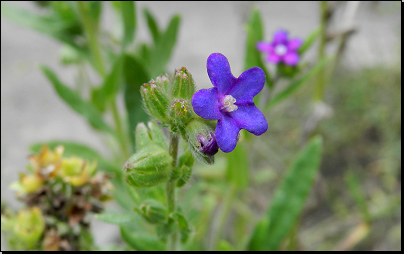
pixel 228 104
pixel 281 49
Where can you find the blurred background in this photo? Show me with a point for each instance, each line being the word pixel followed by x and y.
pixel 362 135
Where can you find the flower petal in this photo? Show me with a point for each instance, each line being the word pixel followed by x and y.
pixel 250 118
pixel 219 73
pixel 264 47
pixel 280 37
pixel 226 133
pixel 291 58
pixel 273 58
pixel 295 43
pixel 248 85
pixel 206 104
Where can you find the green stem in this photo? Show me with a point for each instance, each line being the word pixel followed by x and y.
pixel 319 89
pixel 221 219
pixel 90 30
pixel 121 134
pixel 170 190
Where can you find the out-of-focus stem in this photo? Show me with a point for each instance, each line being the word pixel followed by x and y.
pixel 170 191
pixel 320 83
pixel 220 220
pixel 90 30
pixel 123 140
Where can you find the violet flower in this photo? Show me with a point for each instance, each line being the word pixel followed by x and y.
pixel 208 145
pixel 230 101
pixel 281 49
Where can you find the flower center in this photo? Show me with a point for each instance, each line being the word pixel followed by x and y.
pixel 281 49
pixel 228 104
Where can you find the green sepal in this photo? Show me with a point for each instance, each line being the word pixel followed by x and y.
pixel 186 173
pixel 155 101
pixel 142 138
pixel 190 134
pixel 187 159
pixel 153 211
pixel 157 135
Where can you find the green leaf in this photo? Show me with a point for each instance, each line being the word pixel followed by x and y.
pixel 77 149
pixel 111 84
pixel 129 22
pixel 237 167
pixel 161 54
pixel 152 24
pixel 82 107
pixel 141 241
pixel 135 76
pixel 289 199
pixel 309 41
pixel 254 29
pixel 115 218
pixel 60 29
pixel 296 84
pixel 357 194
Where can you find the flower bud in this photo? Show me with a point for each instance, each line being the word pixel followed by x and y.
pixel 153 211
pixel 30 226
pixel 27 184
pixel 77 171
pixel 155 101
pixel 148 167
pixel 164 82
pixel 181 112
pixel 201 139
pixel 183 84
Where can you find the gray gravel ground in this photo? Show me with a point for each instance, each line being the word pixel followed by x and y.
pixel 31 111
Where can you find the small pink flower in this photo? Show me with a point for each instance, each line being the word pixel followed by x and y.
pixel 281 49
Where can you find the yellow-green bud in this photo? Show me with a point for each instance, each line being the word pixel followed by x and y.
pixel 148 167
pixel 181 112
pixel 183 84
pixel 30 226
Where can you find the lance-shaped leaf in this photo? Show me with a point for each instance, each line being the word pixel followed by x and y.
pixel 296 84
pixel 152 24
pixel 57 27
pixel 129 22
pixel 79 105
pixel 134 76
pixel 141 241
pixel 309 41
pixel 254 29
pixel 116 218
pixel 163 50
pixel 288 200
pixel 237 167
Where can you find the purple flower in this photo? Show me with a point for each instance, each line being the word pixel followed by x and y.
pixel 208 145
pixel 281 49
pixel 230 101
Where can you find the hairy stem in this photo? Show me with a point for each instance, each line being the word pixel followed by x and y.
pixel 170 189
